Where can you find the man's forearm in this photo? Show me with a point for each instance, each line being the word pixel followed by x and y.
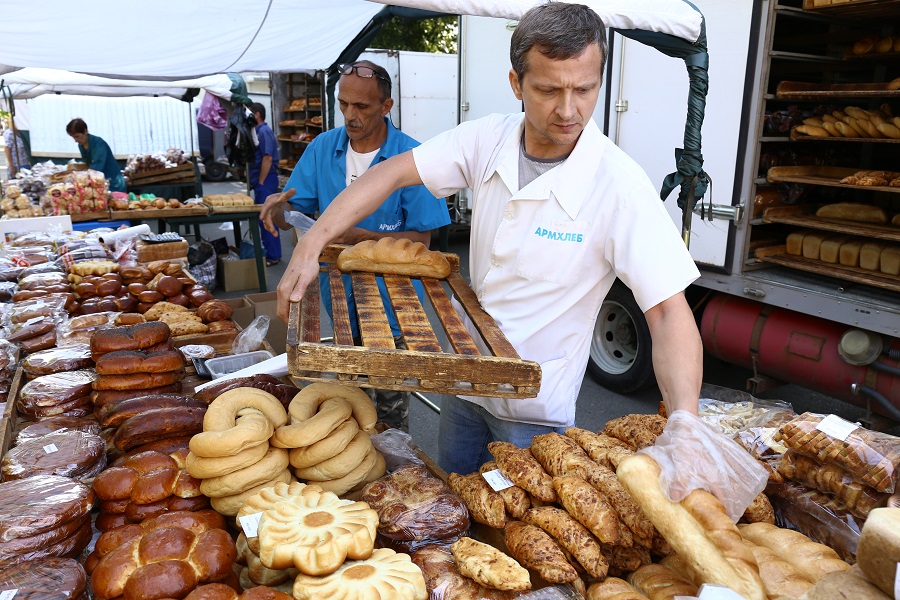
pixel 264 168
pixel 677 353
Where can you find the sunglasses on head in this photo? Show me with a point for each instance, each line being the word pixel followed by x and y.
pixel 361 71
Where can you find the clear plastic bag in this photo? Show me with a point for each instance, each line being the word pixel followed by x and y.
pixel 73 454
pixel 397 448
pixel 692 455
pixel 732 410
pixel 252 337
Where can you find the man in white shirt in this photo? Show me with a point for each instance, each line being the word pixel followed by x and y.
pixel 559 212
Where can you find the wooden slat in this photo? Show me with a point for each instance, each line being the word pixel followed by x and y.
pixel 459 337
pixel 799 137
pixel 854 274
pixel 804 216
pixel 793 90
pixel 249 208
pixel 495 340
pixel 160 213
pixel 411 316
pixel 340 313
pixel 310 325
pixel 374 328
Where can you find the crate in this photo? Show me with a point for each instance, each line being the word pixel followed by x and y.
pixel 424 366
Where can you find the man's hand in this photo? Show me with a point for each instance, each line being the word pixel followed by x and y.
pixel 274 203
pixel 301 270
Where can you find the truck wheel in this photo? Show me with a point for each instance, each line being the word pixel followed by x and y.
pixel 621 354
pixel 216 171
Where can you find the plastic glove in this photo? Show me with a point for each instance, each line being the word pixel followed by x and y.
pixel 692 455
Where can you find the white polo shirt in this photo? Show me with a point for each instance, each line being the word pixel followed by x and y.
pixel 543 258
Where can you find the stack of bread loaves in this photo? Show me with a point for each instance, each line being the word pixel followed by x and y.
pixel 329 437
pixel 145 485
pixel 232 455
pixel 66 393
pixel 330 542
pixel 42 516
pixel 69 453
pixel 164 557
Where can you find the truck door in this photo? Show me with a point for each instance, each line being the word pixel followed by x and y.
pixel 650 91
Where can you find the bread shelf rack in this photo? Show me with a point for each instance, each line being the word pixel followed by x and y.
pixel 805 216
pixel 425 366
pixel 799 90
pixel 799 137
pixel 777 255
pixel 821 175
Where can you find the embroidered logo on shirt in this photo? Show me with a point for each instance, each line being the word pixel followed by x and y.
pixel 389 227
pixel 559 236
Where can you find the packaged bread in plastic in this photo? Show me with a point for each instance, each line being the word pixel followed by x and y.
pixel 74 454
pixel 54 424
pixel 857 498
pixel 46 579
pixel 37 504
pixel 871 457
pixel 57 387
pixel 43 307
pixel 58 360
pixel 818 516
pixel 444 581
pixel 39 280
pixel 415 508
pixel 7 289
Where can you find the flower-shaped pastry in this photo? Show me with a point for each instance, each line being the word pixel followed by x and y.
pixel 385 574
pixel 316 532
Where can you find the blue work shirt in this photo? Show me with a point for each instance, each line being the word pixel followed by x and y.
pixel 267 146
pixel 321 175
pixel 99 157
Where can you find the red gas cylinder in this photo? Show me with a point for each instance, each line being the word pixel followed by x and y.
pixel 792 347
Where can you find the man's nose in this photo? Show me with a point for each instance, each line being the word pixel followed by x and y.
pixel 565 105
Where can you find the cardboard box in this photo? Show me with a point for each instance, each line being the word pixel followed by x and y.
pixel 243 312
pixel 235 275
pixel 265 304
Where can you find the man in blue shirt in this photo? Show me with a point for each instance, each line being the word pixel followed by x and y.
pixel 332 161
pixel 97 154
pixel 264 178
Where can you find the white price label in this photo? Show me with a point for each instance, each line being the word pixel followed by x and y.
pixel 32 321
pixel 250 524
pixel 718 592
pixel 836 427
pixel 49 449
pixel 8 594
pixel 497 480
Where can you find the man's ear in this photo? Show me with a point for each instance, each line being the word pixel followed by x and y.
pixel 515 84
pixel 387 106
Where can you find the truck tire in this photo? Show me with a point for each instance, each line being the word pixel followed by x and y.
pixel 621 354
pixel 215 171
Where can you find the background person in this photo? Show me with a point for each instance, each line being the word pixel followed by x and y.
pixel 337 158
pixel 264 178
pixel 97 154
pixel 559 212
pixel 16 155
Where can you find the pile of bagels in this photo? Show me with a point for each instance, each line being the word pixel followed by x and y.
pixel 249 443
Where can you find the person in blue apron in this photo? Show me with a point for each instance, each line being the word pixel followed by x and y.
pixel 264 178
pixel 97 154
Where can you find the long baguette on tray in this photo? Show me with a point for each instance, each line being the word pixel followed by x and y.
pixel 697 527
pixel 394 256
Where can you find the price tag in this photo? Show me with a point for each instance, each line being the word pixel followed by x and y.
pixel 497 480
pixel 49 449
pixel 250 524
pixel 836 427
pixel 718 592
pixel 31 321
pixel 8 594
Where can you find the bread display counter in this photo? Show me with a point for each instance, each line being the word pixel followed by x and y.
pixel 425 365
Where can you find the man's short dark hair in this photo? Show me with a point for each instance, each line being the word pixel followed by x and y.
pixel 384 81
pixel 559 31
pixel 256 107
pixel 76 126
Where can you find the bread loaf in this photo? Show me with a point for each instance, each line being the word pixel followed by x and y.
pixel 394 256
pixel 811 559
pixel 845 584
pixel 890 260
pixel 849 211
pixel 46 579
pixel 697 528
pixel 830 249
pixel 515 499
pixel 484 504
pixel 489 566
pixel 831 479
pixel 159 423
pixel 135 337
pixel 870 256
pixel 794 243
pixel 878 553
pixel 126 362
pixel 779 576
pixel 383 574
pixel 442 578
pixel 53 424
pixel 73 454
pixel 659 583
pixel 521 468
pixel 534 549
pixel 101 398
pixel 636 430
pixel 57 360
pixel 114 413
pixel 613 588
pixel 38 504
pixel 138 381
pixel 849 253
pixel 812 244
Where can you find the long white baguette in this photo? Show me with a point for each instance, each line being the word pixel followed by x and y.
pixel 697 528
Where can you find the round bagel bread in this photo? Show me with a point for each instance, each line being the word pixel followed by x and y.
pixel 249 430
pixel 305 403
pixel 230 505
pixel 206 468
pixel 332 445
pixel 274 462
pixel 353 478
pixel 331 412
pixel 340 465
pixel 223 411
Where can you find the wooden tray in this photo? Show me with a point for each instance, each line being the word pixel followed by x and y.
pixel 820 175
pixel 855 8
pixel 799 90
pixel 799 137
pixel 425 366
pixel 220 210
pixel 90 216
pixel 9 419
pixel 778 256
pixel 805 216
pixel 159 213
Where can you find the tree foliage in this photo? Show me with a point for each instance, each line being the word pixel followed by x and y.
pixel 418 35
